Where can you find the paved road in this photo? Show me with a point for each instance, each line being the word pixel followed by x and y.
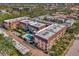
pixel 35 51
pixel 74 49
pixel 1 54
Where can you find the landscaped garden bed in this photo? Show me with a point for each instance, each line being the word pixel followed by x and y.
pixel 61 47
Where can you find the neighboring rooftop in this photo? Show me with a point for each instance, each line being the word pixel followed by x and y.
pixel 16 19
pixel 3 11
pixel 21 48
pixel 49 31
pixel 69 22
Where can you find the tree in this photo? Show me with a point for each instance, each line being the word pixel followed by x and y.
pixel 6 46
pixel 5 17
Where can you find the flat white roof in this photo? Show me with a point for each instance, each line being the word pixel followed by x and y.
pixel 70 21
pixel 25 21
pixel 9 20
pixel 21 48
pixel 47 16
pixel 16 19
pixel 36 24
pixel 49 31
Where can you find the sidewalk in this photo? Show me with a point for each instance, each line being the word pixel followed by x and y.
pixel 74 49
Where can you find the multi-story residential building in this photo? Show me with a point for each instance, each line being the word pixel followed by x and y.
pixel 33 26
pixel 22 9
pixel 12 23
pixel 46 19
pixel 48 36
pixel 36 26
pixel 24 24
pixel 69 22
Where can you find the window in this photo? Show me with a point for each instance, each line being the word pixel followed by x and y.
pixel 45 47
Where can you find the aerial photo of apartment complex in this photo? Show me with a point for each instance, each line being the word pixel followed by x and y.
pixel 48 29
